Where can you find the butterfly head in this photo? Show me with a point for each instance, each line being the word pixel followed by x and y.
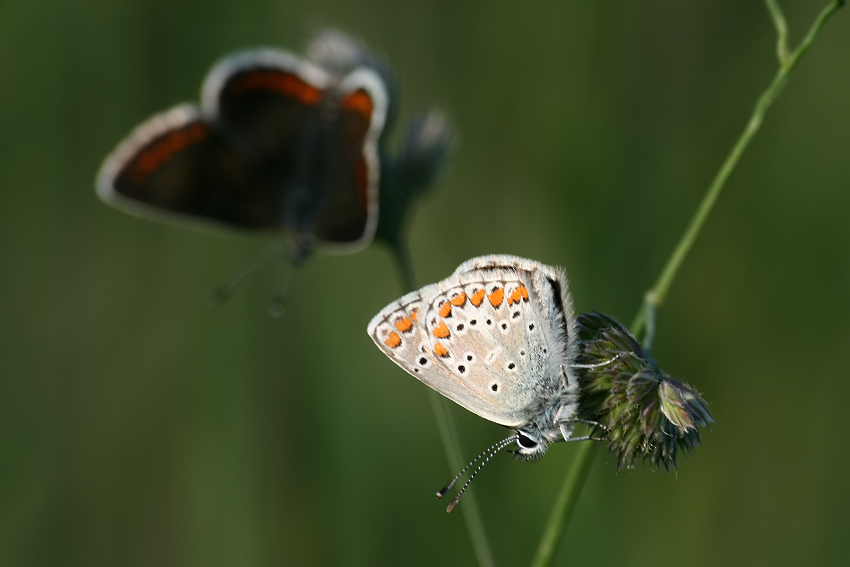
pixel 532 440
pixel 530 445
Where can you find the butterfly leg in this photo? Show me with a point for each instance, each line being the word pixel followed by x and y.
pixel 588 422
pixel 585 438
pixel 597 365
pixel 224 291
pixel 566 431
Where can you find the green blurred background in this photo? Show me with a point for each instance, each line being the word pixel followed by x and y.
pixel 139 426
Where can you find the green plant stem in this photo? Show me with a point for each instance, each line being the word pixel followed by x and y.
pixel 781 31
pixel 787 61
pixel 574 482
pixel 448 434
pixel 401 252
pixel 471 514
pixel 564 505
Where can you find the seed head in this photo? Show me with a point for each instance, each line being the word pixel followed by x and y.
pixel 643 411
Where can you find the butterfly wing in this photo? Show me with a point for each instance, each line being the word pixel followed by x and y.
pixel 487 340
pixel 555 300
pixel 176 166
pixel 399 331
pixel 315 136
pixel 266 101
pixel 349 179
pixel 279 143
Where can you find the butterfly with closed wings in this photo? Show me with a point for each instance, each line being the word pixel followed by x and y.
pixel 499 338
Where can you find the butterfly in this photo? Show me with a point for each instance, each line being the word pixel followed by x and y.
pixel 499 338
pixel 279 143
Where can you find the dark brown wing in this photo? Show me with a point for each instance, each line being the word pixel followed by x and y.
pixel 176 166
pixel 348 182
pixel 267 102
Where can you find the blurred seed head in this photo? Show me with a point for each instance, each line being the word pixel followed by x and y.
pixel 425 146
pixel 336 51
pixel 408 175
pixel 648 414
pixel 339 54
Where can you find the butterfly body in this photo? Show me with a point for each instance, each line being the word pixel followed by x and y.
pixel 497 337
pixel 278 143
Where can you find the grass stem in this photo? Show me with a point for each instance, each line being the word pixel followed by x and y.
pixel 448 433
pixel 570 492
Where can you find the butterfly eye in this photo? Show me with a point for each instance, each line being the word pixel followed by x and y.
pixel 525 442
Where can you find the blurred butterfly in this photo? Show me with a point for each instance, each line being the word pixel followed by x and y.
pixel 279 143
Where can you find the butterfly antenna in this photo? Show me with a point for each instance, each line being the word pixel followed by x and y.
pixel 486 455
pixel 224 291
pixel 441 493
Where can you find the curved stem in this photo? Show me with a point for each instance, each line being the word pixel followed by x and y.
pixel 448 433
pixel 655 296
pixel 401 252
pixel 658 293
pixel 781 31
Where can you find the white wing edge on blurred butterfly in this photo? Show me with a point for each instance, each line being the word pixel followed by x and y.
pixel 371 82
pixel 160 123
pixel 268 57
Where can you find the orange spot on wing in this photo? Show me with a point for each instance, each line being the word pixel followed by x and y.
pixel 445 310
pixel 166 148
pixel 280 82
pixel 441 331
pixel 516 296
pixel 359 101
pixel 477 297
pixel 414 314
pixel 459 299
pixel 403 324
pixel 524 292
pixel 393 340
pixel 497 297
pixel 441 351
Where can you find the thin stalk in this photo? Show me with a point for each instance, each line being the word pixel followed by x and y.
pixel 471 514
pixel 564 505
pixel 448 434
pixel 787 61
pixel 781 31
pixel 574 482
pixel 401 252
